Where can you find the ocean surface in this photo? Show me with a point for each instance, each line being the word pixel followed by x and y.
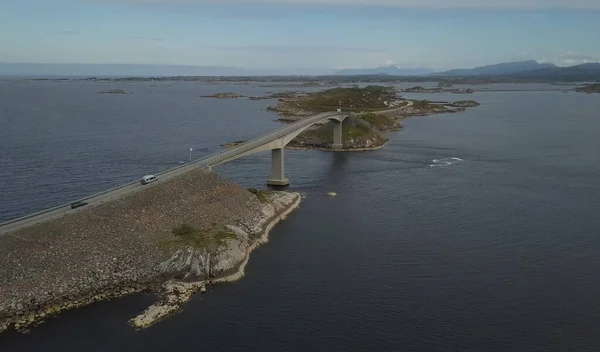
pixel 476 231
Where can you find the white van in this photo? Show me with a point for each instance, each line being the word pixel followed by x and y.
pixel 148 179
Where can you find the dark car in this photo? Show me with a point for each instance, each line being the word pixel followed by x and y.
pixel 78 204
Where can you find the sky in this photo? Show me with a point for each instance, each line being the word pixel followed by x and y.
pixel 308 34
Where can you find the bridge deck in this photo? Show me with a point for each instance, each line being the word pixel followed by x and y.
pixel 125 189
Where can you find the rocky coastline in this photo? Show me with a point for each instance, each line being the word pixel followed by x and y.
pixel 224 264
pixel 129 245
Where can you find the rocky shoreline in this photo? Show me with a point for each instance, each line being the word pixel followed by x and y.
pixel 127 246
pixel 229 261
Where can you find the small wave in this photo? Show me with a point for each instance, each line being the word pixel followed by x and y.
pixel 445 161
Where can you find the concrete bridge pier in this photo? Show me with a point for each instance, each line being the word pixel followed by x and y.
pixel 277 169
pixel 337 135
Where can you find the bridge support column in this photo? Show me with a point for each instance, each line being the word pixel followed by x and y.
pixel 277 169
pixel 337 135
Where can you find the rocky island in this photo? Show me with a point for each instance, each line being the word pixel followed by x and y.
pixel 441 88
pixel 173 238
pixel 374 110
pixel 590 88
pixel 223 96
pixel 115 91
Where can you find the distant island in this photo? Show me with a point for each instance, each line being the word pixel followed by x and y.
pixel 590 88
pixel 223 96
pixel 373 111
pixel 115 91
pixel 439 89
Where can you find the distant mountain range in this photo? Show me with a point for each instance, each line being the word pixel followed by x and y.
pixel 519 70
pixel 584 71
pixel 515 71
pixel 384 70
pixel 498 69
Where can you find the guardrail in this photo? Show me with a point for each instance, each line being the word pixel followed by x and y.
pixel 219 156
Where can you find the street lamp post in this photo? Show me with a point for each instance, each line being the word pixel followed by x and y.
pixel 191 154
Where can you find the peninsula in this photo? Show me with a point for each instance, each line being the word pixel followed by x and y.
pixel 174 237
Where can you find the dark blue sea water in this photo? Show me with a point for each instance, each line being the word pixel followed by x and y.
pixel 476 231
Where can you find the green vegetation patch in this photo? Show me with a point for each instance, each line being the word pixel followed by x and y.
pixel 349 99
pixel 465 103
pixel 427 105
pixel 260 194
pixel 222 236
pixel 420 104
pixel 321 133
pixel 325 134
pixel 186 235
pixel 376 119
pixel 358 131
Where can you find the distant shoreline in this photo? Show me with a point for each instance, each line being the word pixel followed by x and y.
pixel 303 82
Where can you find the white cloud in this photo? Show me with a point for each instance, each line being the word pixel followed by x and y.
pixel 569 58
pixel 430 4
pixel 390 63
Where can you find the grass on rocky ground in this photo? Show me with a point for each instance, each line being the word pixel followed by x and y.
pixel 349 99
pixel 326 134
pixel 221 237
pixel 260 194
pixel 376 119
pixel 465 103
pixel 427 105
pixel 186 235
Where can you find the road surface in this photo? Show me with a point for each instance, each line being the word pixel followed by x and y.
pixel 129 188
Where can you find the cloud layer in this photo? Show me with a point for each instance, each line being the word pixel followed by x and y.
pixel 427 4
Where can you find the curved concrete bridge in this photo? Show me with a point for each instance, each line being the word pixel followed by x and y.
pixel 274 141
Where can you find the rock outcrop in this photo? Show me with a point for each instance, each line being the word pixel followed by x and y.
pixel 195 269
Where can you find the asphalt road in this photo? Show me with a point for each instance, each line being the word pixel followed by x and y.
pixel 129 188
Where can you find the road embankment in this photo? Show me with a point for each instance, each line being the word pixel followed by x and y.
pixel 130 245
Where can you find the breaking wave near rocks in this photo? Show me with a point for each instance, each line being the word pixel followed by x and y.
pixel 445 161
